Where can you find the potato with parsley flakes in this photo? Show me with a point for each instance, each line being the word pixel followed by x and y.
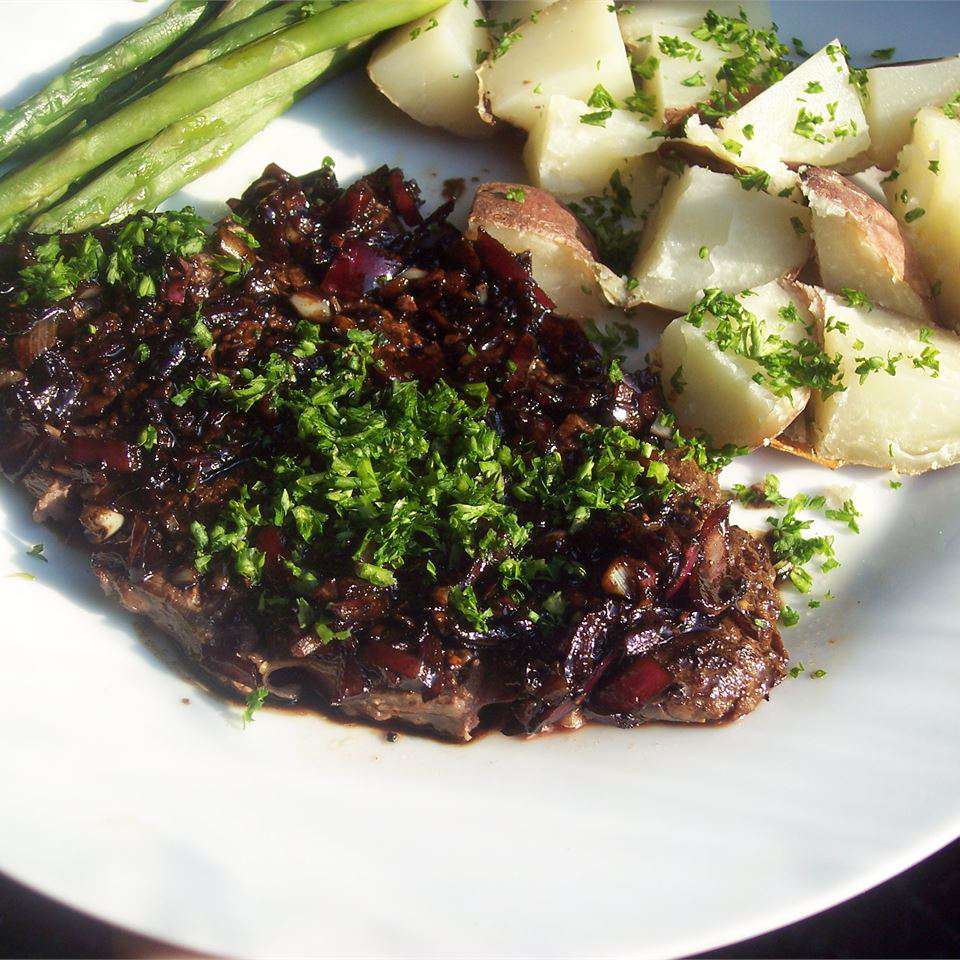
pixel 637 20
pixel 860 245
pixel 573 46
pixel 924 196
pixel 713 387
pixel 708 231
pixel 900 408
pixel 573 149
pixel 680 71
pixel 813 115
pixel 428 68
pixel 895 94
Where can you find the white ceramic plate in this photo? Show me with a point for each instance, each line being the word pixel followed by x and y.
pixel 298 836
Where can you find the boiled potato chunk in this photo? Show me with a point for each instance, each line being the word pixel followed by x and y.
pixel 518 9
pixel 562 251
pixel 700 141
pixel 573 46
pixel 574 160
pixel 812 115
pixel 707 231
pixel 428 69
pixel 909 421
pixel 924 198
pixel 860 245
pixel 713 391
pixel 683 71
pixel 896 93
pixel 637 19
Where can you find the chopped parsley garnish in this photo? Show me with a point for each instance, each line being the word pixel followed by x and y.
pixel 600 98
pixel 754 180
pixel 133 258
pixel 789 618
pixel 761 61
pixel 934 166
pixel 148 437
pixel 676 48
pixel 784 365
pixel 884 53
pixel 818 674
pixel 915 214
pixel 867 365
pixel 401 475
pixel 255 701
pixel 608 217
pixel 516 194
pixel 856 298
pixel 597 118
pixel 846 514
pixel 36 551
pixel 793 551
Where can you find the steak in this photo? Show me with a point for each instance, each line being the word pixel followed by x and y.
pixel 347 457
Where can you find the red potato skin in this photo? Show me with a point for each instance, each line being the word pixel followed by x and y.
pixel 538 213
pixel 878 224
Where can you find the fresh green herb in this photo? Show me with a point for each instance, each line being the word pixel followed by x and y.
pixel 915 214
pixel 814 86
pixel 798 228
pixel 867 365
pixel 676 48
pixel 760 62
pixel 148 437
pixel 800 49
pixel 784 365
pixel 846 514
pixel 733 147
pixel 789 618
pixel 255 701
pixel 694 80
pixel 818 674
pixel 516 194
pixel 142 353
pixel 884 53
pixel 36 551
pixel 598 118
pixel 646 68
pixel 895 484
pixel 600 98
pixel 703 253
pixel 56 274
pixel 610 218
pixel 754 180
pixel 934 166
pixel 856 298
pixel 952 107
pixel 464 601
pixel 615 373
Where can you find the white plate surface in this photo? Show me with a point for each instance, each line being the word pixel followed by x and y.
pixel 298 836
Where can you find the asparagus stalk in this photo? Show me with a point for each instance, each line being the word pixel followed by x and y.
pixel 149 174
pixel 88 77
pixel 250 30
pixel 189 92
pixel 232 12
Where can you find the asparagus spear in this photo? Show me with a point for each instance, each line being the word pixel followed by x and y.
pixel 189 92
pixel 88 77
pixel 249 30
pixel 180 153
pixel 232 12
